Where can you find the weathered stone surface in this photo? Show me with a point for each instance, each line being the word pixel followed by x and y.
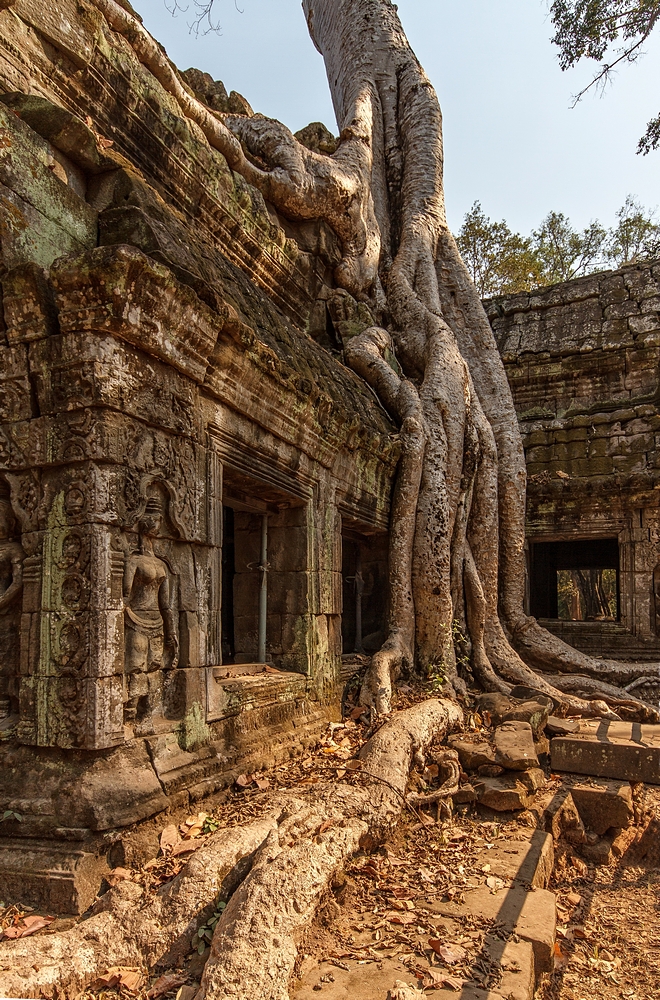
pixel 603 804
pixel 465 794
pixel 472 754
pixel 532 914
pixel 534 778
pixel 561 727
pixel 503 793
pixel 514 746
pixel 562 818
pixel 624 750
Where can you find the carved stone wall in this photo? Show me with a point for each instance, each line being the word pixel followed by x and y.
pixel 583 360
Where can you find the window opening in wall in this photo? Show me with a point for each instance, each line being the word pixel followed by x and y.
pixel 264 574
pixel 364 597
pixel 228 573
pixel 575 580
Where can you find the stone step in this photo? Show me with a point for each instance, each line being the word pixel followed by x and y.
pixel 520 865
pixel 629 751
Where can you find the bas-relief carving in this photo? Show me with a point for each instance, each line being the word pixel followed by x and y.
pixel 151 645
pixel 11 587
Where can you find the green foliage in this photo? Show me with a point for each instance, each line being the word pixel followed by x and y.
pixel 635 237
pixel 9 814
pixel 210 825
pixel 499 260
pixel 564 253
pixel 502 262
pixel 591 29
pixel 201 939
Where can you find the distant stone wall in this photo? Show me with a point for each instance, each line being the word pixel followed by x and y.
pixel 583 361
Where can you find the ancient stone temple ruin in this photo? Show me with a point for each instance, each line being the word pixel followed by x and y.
pixel 583 360
pixel 195 489
pixel 183 459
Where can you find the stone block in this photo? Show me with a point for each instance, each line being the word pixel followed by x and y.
pixel 514 746
pixel 526 856
pixel 603 804
pixel 532 915
pixel 113 791
pixel 472 755
pixel 503 794
pixel 608 749
pixel 60 878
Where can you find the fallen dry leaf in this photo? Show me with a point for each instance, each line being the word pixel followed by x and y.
pixel 400 918
pixel 185 847
pixel 119 975
pixel 244 780
pixel 117 875
pixel 164 984
pixel 353 765
pixel 449 953
pixel 26 927
pixel 169 837
pixel 434 979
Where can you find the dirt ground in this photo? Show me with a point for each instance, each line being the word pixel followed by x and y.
pixel 376 926
pixel 609 943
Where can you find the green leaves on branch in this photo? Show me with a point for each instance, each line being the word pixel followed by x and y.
pixel 502 262
pixel 591 29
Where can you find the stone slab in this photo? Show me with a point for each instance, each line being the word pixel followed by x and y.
pixel 531 914
pixel 603 803
pixel 527 857
pixel 60 878
pixel 629 751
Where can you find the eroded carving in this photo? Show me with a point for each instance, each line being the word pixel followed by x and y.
pixel 150 638
pixel 11 586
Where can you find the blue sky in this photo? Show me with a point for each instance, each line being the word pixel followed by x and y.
pixel 512 140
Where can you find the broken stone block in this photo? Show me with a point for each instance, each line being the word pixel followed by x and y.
pixel 533 779
pixel 495 704
pixel 503 794
pixel 465 795
pixel 561 727
pixel 490 770
pixel 535 712
pixel 603 804
pixel 563 820
pixel 598 853
pixel 472 755
pixel 514 746
pixel 610 749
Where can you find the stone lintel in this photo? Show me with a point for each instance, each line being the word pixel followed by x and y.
pixel 625 750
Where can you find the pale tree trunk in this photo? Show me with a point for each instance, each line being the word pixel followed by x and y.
pixel 458 512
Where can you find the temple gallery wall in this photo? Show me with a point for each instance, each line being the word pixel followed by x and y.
pixel 194 488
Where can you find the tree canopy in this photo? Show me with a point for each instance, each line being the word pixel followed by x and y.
pixel 502 262
pixel 613 31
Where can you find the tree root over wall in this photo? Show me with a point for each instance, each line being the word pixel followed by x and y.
pixel 273 871
pixel 458 512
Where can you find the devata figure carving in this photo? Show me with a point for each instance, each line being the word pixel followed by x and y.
pixel 149 620
pixel 11 585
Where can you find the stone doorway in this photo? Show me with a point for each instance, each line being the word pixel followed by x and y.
pixel 364 586
pixel 265 573
pixel 575 580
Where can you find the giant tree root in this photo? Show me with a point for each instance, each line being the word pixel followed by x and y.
pixel 130 927
pixel 273 872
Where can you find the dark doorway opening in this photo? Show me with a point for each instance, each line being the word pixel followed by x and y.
pixel 576 580
pixel 364 596
pixel 228 574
